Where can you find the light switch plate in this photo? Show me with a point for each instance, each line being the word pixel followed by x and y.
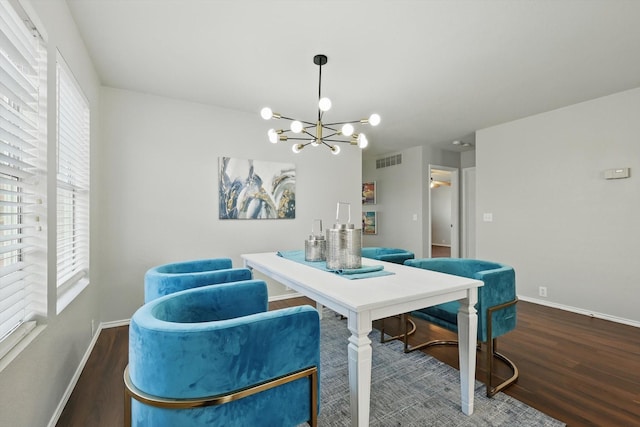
pixel 616 173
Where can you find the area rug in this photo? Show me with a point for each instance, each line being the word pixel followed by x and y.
pixel 413 390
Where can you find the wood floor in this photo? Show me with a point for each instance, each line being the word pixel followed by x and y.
pixel 440 251
pixel 577 369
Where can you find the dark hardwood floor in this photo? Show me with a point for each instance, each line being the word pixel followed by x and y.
pixel 440 251
pixel 577 369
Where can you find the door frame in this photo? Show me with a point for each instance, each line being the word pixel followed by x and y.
pixel 455 209
pixel 468 235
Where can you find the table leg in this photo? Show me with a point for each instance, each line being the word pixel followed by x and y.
pixel 320 309
pixel 467 337
pixel 359 354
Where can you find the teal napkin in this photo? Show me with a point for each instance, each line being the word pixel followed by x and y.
pixel 364 272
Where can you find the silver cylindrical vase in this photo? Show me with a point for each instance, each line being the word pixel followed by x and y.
pixel 315 248
pixel 344 244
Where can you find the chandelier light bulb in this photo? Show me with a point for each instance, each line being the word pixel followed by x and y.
pixel 296 148
pixel 362 141
pixel 374 119
pixel 347 129
pixel 266 113
pixel 315 142
pixel 296 126
pixel 273 136
pixel 335 149
pixel 324 104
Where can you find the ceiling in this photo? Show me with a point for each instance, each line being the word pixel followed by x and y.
pixel 435 70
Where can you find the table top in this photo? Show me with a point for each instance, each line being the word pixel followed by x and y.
pixel 409 288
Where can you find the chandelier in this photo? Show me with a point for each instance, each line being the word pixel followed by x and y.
pixel 318 132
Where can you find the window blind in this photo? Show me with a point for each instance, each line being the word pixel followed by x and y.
pixel 22 168
pixel 73 181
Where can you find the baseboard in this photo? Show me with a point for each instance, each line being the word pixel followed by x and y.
pixel 582 311
pixel 74 379
pixel 115 323
pixel 81 365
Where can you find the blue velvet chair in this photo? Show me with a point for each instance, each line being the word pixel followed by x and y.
pixel 214 356
pixel 496 308
pixel 168 278
pixel 397 256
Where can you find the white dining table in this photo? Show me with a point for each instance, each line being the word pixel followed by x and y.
pixel 362 301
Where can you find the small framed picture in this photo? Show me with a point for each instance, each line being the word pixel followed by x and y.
pixel 369 193
pixel 369 223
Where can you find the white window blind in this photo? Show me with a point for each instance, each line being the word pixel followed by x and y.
pixel 73 181
pixel 22 176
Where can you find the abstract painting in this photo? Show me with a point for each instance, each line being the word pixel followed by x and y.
pixel 255 189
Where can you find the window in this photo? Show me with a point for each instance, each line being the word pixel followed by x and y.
pixel 72 187
pixel 22 179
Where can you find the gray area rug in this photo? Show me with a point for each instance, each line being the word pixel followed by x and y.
pixel 410 390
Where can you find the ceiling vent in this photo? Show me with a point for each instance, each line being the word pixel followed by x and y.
pixel 396 159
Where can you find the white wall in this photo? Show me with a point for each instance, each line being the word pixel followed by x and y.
pixel 467 159
pixel 402 192
pixel 468 213
pixel 159 190
pixel 555 218
pixel 399 196
pixel 33 384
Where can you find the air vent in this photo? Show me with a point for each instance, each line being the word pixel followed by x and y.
pixel 396 159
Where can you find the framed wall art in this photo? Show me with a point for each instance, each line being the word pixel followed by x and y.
pixel 369 193
pixel 369 222
pixel 255 189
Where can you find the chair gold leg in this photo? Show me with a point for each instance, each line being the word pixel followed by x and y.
pixel 490 355
pixel 404 319
pixel 491 350
pixel 132 392
pixel 409 349
pixel 127 408
pixel 313 422
pixel 405 336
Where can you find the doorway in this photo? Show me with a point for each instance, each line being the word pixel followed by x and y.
pixel 443 212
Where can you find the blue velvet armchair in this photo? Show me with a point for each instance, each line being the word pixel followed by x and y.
pixel 395 255
pixel 214 356
pixel 168 278
pixel 496 308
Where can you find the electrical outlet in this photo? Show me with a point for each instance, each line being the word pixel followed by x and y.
pixel 542 291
